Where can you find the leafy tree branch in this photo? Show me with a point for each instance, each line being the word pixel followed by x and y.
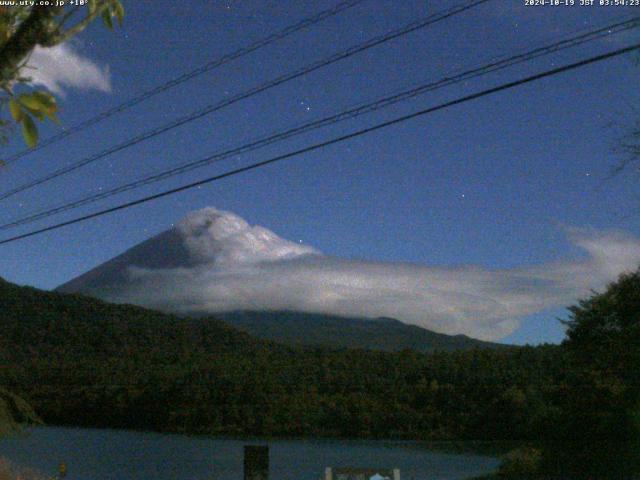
pixel 22 29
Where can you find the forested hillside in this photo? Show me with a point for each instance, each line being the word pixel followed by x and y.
pixel 84 362
pixel 318 330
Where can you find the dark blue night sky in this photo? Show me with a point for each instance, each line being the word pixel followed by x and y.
pixel 501 182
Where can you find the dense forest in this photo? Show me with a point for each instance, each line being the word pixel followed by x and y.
pixel 318 330
pixel 83 362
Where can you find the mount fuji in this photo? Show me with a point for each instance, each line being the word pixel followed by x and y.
pixel 215 263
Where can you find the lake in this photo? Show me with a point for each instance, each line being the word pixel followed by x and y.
pixel 92 454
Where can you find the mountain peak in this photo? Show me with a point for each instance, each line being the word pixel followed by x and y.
pixel 214 262
pixel 219 237
pixel 204 238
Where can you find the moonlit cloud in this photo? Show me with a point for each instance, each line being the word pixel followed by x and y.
pixel 61 67
pixel 231 265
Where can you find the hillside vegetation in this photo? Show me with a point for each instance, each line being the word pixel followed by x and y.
pixel 575 407
pixel 84 362
pixel 318 330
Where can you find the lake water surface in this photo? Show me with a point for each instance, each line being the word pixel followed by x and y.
pixel 125 455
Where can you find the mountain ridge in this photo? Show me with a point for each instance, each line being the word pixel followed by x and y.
pixel 321 330
pixel 84 362
pixel 215 263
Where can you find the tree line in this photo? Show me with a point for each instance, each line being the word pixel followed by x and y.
pixel 83 362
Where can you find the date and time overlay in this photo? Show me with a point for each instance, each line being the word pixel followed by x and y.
pixel 527 3
pixel 582 3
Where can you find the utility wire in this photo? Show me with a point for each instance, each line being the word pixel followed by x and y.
pixel 213 64
pixel 411 27
pixel 330 120
pixel 317 146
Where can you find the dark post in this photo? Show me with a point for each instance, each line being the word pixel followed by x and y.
pixel 256 462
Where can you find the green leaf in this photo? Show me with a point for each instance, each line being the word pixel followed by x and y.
pixel 39 114
pixel 16 110
pixel 29 131
pixel 118 10
pixel 106 16
pixel 40 104
pixel 49 107
pixel 31 102
pixel 46 99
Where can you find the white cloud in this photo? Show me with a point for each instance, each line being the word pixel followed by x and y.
pixel 222 238
pixel 61 67
pixel 238 266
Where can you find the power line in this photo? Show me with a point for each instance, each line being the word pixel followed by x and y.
pixel 333 141
pixel 411 27
pixel 330 120
pixel 213 64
